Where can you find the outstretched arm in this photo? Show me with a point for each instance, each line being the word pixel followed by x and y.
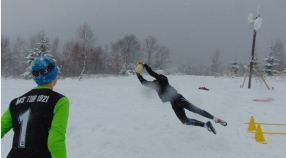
pixel 145 82
pixel 161 78
pixel 150 71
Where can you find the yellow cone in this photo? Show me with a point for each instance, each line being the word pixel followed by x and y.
pixel 251 126
pixel 259 135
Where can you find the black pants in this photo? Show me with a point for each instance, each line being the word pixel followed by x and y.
pixel 180 103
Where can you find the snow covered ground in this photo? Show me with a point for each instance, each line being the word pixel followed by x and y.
pixel 118 117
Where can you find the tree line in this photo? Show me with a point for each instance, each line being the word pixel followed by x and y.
pixel 271 65
pixel 81 55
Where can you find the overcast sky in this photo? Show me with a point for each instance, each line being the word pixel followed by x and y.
pixel 191 29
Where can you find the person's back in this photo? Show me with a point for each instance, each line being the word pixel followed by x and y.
pixel 32 116
pixel 165 91
pixel 39 117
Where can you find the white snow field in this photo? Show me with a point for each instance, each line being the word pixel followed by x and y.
pixel 117 117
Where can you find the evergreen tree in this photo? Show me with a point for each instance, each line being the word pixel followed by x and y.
pixel 279 52
pixel 256 64
pixel 127 69
pixel 270 63
pixel 41 49
pixel 233 68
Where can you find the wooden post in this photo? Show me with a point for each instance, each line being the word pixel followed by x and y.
pixel 251 60
pixel 261 76
pixel 244 80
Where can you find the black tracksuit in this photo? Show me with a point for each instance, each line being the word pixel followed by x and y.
pixel 168 94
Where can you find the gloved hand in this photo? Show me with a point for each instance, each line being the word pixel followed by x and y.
pixel 141 62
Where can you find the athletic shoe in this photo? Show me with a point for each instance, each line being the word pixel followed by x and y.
pixel 210 127
pixel 222 122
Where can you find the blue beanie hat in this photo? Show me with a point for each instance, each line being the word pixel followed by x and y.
pixel 44 70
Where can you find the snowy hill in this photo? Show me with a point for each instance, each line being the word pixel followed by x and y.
pixel 118 117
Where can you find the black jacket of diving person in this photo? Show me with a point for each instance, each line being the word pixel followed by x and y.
pixel 161 85
pixel 168 94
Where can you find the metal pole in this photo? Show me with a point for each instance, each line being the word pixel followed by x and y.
pixel 251 60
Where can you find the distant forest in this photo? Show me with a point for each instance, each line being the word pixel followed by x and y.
pixel 81 56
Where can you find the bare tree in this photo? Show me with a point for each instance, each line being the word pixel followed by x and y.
pixel 86 40
pixel 95 62
pixel 5 44
pixel 65 62
pixel 106 59
pixel 129 48
pixel 216 64
pixel 20 51
pixel 116 63
pixel 55 47
pixel 5 55
pixel 150 46
pixel 72 62
pixel 162 57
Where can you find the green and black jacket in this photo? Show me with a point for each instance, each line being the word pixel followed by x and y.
pixel 39 121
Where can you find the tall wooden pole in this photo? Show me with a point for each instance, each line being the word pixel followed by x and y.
pixel 251 60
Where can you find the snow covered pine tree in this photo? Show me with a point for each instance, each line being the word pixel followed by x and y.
pixel 41 49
